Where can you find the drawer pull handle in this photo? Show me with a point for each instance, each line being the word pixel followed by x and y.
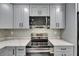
pixel 63 48
pixel 20 49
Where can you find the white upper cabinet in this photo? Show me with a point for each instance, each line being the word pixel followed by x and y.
pixel 21 16
pixel 39 10
pixel 78 7
pixel 6 16
pixel 57 16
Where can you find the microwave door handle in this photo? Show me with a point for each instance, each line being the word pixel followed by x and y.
pixel 46 21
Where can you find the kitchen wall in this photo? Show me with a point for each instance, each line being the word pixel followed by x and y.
pixel 70 32
pixel 27 33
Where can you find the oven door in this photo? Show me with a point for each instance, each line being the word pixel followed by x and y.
pixel 39 52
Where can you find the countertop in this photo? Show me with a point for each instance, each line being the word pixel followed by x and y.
pixel 60 42
pixel 15 42
pixel 24 41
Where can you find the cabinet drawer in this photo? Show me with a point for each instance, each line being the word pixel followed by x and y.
pixel 63 48
pixel 20 49
pixel 67 53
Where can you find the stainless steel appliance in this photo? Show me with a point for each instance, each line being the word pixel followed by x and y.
pixel 39 46
pixel 39 21
pixel 77 33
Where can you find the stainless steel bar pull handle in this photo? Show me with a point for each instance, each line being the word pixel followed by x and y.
pixel 57 24
pixel 21 24
pixel 39 12
pixel 13 51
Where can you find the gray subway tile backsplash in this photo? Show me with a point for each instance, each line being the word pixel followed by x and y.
pixel 27 33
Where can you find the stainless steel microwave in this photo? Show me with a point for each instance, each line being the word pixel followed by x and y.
pixel 39 22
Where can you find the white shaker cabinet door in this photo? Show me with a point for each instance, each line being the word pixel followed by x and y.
pixel 44 10
pixel 52 16
pixel 57 16
pixel 60 16
pixel 34 10
pixel 20 51
pixel 21 16
pixel 6 16
pixel 7 51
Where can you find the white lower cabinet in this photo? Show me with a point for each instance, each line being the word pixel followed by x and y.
pixel 7 51
pixel 20 51
pixel 63 51
pixel 13 51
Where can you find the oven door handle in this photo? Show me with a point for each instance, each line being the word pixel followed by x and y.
pixel 38 50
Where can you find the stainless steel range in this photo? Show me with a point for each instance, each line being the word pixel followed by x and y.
pixel 39 45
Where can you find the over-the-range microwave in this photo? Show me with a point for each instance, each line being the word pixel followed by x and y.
pixel 39 22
